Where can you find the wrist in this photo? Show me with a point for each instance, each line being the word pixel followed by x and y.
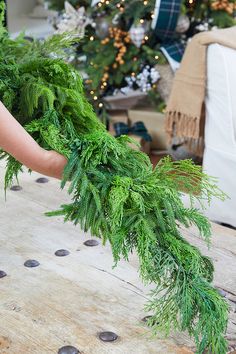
pixel 54 164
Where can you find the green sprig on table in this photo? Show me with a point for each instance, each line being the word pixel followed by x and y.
pixel 116 194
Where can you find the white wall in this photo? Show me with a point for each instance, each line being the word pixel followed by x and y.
pixel 19 7
pixel 19 20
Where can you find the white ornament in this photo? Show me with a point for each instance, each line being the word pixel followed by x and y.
pixel 203 27
pixel 137 33
pixel 144 80
pixel 183 24
pixel 73 20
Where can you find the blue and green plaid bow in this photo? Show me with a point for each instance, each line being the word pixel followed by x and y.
pixel 164 24
pixel 138 129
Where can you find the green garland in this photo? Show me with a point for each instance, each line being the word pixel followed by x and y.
pixel 116 194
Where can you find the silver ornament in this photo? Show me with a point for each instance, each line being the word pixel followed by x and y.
pixel 73 20
pixel 137 34
pixel 102 27
pixel 183 24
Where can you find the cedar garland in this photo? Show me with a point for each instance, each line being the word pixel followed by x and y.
pixel 116 194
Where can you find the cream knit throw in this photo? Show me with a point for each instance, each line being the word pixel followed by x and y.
pixel 185 117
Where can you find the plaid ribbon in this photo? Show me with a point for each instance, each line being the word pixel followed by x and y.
pixel 164 24
pixel 166 18
pixel 138 129
pixel 174 49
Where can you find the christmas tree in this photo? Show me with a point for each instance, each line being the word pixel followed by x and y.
pixel 116 193
pixel 125 40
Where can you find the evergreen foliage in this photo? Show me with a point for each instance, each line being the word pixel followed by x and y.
pixel 116 194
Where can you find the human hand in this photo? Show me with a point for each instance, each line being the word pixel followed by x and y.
pixel 53 164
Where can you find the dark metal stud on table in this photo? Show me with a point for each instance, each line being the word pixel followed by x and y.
pixel 222 292
pixel 28 38
pixel 16 188
pixel 68 350
pixel 42 180
pixel 91 243
pixel 2 274
pixel 31 263
pixel 146 318
pixel 62 253
pixel 108 336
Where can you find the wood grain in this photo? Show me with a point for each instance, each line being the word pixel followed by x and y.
pixel 69 300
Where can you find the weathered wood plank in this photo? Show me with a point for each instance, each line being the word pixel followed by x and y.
pixel 67 301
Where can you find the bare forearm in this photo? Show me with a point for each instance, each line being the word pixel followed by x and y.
pixel 18 143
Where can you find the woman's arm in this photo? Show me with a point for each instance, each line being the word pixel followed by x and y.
pixel 18 143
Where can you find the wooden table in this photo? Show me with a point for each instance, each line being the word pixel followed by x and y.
pixel 69 300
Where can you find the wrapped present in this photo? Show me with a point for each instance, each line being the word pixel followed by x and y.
pixel 117 116
pixel 145 146
pixel 138 132
pixel 155 124
pixel 118 125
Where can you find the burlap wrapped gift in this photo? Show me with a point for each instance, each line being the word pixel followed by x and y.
pixel 155 124
pixel 121 116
